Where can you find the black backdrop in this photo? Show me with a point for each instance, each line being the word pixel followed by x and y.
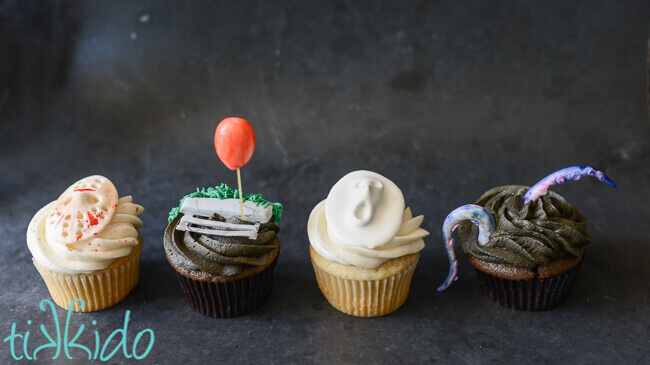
pixel 447 99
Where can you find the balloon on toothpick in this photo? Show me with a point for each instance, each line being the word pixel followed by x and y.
pixel 234 141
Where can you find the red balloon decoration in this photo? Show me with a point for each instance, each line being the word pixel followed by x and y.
pixel 234 141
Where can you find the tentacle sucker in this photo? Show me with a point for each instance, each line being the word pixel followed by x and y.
pixel 559 177
pixel 479 216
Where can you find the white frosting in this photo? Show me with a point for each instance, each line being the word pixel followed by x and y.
pixel 88 252
pixel 363 222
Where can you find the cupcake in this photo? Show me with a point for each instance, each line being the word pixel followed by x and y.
pixel 224 263
pixel 86 245
pixel 528 244
pixel 364 245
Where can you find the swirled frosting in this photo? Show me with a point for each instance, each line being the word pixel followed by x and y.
pixel 87 253
pixel 363 222
pixel 219 255
pixel 204 250
pixel 527 235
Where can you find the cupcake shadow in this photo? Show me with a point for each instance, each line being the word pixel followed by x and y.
pixel 296 293
pixel 609 279
pixel 294 289
pixel 158 284
pixel 613 274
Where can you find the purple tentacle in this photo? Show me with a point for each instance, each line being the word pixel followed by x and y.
pixel 559 177
pixel 479 216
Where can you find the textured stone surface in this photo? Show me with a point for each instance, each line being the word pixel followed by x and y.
pixel 446 99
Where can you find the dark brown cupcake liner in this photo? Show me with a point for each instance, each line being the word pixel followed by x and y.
pixel 529 295
pixel 230 299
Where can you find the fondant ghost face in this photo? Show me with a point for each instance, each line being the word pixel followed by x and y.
pixel 82 211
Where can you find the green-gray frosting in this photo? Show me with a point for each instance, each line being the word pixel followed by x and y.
pixel 218 255
pixel 526 235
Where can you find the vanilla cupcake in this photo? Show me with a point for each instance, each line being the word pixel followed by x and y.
pixel 364 245
pixel 86 245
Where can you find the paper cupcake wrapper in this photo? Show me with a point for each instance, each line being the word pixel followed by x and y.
pixel 529 295
pixel 229 299
pixel 366 298
pixel 99 290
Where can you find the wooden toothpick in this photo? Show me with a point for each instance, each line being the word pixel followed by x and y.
pixel 241 196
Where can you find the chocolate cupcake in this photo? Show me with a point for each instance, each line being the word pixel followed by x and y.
pixel 527 246
pixel 536 246
pixel 225 264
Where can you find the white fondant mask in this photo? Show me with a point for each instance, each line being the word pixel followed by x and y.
pixel 364 209
pixel 82 211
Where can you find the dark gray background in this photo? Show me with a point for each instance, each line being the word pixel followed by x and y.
pixel 447 99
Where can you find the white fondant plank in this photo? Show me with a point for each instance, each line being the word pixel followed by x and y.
pixel 186 225
pixel 227 208
pixel 223 225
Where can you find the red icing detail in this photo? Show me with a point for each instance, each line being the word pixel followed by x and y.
pixel 234 141
pixel 136 209
pixel 78 238
pixel 94 234
pixel 83 190
pixel 59 221
pixel 93 220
